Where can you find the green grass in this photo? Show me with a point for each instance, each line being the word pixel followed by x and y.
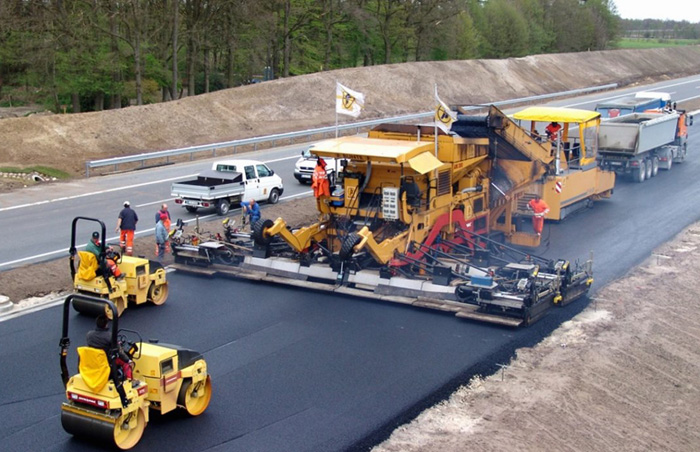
pixel 48 171
pixel 653 43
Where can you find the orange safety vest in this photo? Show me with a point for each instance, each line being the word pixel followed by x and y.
pixel 552 131
pixel 319 182
pixel 538 206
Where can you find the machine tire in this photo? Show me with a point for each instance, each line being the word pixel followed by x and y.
pixel 193 402
pixel 222 207
pixel 191 209
pixel 126 438
pixel 654 166
pixel 274 196
pixel 346 249
pixel 649 168
pixel 158 294
pixel 259 231
pixel 639 173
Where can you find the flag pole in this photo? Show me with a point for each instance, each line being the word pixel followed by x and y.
pixel 435 120
pixel 336 108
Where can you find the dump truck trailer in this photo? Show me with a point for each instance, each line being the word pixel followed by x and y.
pixel 413 223
pixel 639 144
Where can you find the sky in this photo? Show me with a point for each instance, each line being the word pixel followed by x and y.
pixel 659 9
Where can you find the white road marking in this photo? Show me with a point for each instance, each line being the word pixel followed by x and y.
pixel 65 198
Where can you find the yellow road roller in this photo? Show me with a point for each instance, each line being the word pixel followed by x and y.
pixel 106 401
pixel 105 273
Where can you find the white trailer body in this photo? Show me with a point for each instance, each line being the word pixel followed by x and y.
pixel 640 143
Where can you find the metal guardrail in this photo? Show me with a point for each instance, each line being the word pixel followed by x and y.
pixel 116 161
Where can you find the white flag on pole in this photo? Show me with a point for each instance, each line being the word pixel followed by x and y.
pixel 347 101
pixel 444 117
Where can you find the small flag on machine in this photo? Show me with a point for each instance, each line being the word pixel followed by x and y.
pixel 444 117
pixel 347 101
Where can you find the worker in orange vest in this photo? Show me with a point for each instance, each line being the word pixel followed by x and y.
pixel 552 130
pixel 540 209
pixel 319 180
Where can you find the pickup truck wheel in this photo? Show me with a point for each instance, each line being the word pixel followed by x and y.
pixel 259 231
pixel 222 207
pixel 654 166
pixel 274 196
pixel 191 209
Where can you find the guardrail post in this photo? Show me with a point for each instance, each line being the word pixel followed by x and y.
pixel 255 146
pixel 87 169
pixel 116 167
pixel 191 156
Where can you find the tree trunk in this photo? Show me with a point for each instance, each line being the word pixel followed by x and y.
pixel 116 97
pixel 75 99
pixel 99 101
pixel 206 70
pixel 191 65
pixel 287 49
pixel 176 10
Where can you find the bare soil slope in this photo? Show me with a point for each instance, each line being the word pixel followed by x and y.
pixel 67 141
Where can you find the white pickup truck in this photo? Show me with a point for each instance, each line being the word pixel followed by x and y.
pixel 228 182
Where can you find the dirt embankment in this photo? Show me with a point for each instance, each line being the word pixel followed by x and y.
pixel 67 141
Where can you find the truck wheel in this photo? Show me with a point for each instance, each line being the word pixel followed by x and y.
pixel 654 166
pixel 222 207
pixel 259 231
pixel 191 209
pixel 669 163
pixel 648 168
pixel 639 173
pixel 347 248
pixel 274 196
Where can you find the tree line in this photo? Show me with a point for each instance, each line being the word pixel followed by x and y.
pixel 98 54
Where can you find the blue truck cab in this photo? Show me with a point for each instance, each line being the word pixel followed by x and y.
pixel 639 103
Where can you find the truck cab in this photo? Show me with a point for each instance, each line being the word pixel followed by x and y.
pixel 261 183
pixel 639 103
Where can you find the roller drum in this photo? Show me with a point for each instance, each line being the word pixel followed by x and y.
pixel 90 425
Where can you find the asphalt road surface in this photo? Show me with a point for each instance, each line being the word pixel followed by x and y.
pixel 297 370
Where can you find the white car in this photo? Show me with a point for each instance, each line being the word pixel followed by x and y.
pixel 304 168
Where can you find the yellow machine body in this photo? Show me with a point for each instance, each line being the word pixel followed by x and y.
pixel 140 283
pixel 576 180
pixel 164 379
